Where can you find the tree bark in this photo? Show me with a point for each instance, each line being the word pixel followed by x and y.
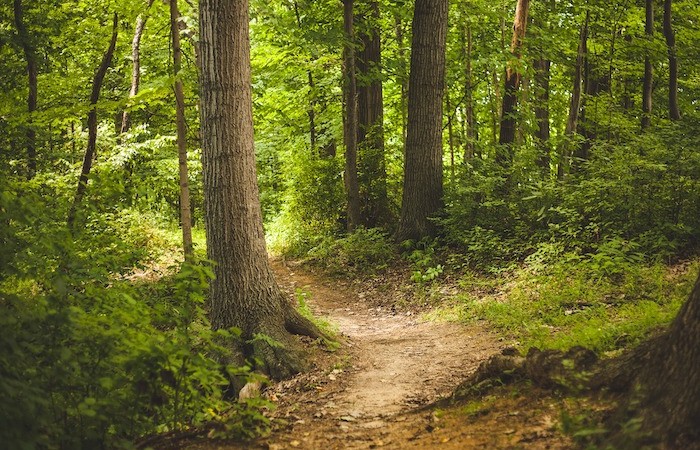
pixel 504 154
pixel 352 189
pixel 92 123
pixel 672 381
pixel 542 75
pixel 402 75
pixel 244 293
pixel 374 201
pixel 661 380
pixel 674 111
pixel 135 65
pixel 185 212
pixel 470 122
pixel 422 192
pixel 648 68
pixel 575 103
pixel 32 76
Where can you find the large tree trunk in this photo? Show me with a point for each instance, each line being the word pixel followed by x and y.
pixel 185 212
pixel 244 293
pixel 674 111
pixel 32 75
pixel 504 154
pixel 672 381
pixel 422 191
pixel 135 65
pixel 92 123
pixel 661 379
pixel 352 189
pixel 374 201
pixel 648 68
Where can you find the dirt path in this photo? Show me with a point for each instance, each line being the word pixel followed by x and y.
pixel 369 393
pixel 395 362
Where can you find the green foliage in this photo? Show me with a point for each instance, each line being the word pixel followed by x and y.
pixel 581 303
pixel 363 252
pixel 90 358
pixel 424 261
pixel 328 328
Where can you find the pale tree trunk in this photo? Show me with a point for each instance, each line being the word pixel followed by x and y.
pixel 185 212
pixel 648 68
pixel 374 201
pixel 422 191
pixel 244 293
pixel 450 135
pixel 92 123
pixel 352 189
pixel 135 65
pixel 32 76
pixel 674 111
pixel 504 154
pixel 575 102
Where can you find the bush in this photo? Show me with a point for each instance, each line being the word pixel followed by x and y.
pixel 365 251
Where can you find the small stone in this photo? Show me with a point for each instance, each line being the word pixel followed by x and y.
pixel 295 443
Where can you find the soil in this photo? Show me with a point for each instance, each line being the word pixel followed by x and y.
pixel 377 390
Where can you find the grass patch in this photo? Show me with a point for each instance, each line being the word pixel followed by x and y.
pixel 565 305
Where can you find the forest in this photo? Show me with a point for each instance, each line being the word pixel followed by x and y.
pixel 349 224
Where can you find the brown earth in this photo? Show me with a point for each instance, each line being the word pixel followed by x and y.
pixel 376 390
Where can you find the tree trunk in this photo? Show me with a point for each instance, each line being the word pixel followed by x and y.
pixel 402 75
pixel 504 154
pixel 311 111
pixel 32 75
pixel 672 381
pixel 135 65
pixel 352 189
pixel 542 73
pixel 92 123
pixel 575 103
pixel 470 123
pixel 450 134
pixel 661 378
pixel 185 212
pixel 422 192
pixel 648 68
pixel 244 293
pixel 674 111
pixel 374 201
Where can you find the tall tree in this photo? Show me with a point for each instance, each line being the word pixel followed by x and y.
pixel 422 187
pixel 374 202
pixel 135 64
pixel 648 68
pixel 244 293
pixel 674 111
pixel 92 122
pixel 32 76
pixel 469 119
pixel 504 155
pixel 185 213
pixel 352 189
pixel 575 101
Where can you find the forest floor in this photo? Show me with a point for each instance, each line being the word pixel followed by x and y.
pixel 377 390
